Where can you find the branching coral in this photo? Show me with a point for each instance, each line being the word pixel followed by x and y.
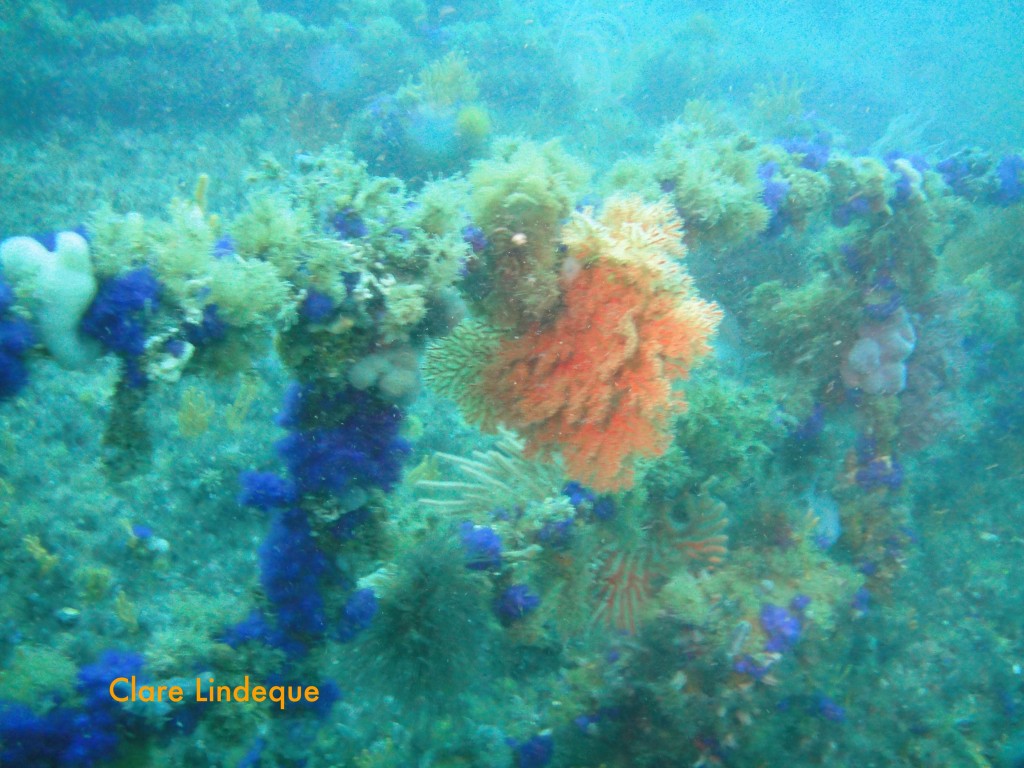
pixel 598 382
pixel 595 383
pixel 632 232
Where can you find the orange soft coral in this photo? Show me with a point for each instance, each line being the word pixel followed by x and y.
pixel 597 382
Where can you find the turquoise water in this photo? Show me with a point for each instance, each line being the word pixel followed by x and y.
pixel 582 384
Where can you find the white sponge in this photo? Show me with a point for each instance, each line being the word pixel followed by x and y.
pixel 58 285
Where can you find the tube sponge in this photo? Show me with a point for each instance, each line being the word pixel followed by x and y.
pixel 536 752
pixel 266 491
pixel 515 603
pixel 60 284
pixel 290 569
pixel 360 608
pixel 73 736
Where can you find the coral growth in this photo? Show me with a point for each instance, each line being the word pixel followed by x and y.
pixel 453 366
pixel 597 382
pixel 500 477
pixel 713 180
pixel 519 197
pixel 433 124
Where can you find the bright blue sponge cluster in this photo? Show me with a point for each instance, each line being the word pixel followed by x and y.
pixel 266 491
pixel 16 338
pixel 118 316
pixel 342 443
pixel 291 566
pixel 360 608
pixel 80 736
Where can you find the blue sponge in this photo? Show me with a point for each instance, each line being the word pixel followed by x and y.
pixel 16 338
pixel 290 569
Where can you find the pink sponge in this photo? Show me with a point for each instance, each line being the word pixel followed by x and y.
pixel 876 361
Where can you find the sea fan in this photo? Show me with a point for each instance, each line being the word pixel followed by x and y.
pixel 625 578
pixel 651 547
pixel 453 368
pixel 597 383
pixel 703 541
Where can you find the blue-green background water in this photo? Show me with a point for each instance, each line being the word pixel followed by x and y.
pixel 333 244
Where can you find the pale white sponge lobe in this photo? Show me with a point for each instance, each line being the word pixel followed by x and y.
pixel 395 373
pixel 58 286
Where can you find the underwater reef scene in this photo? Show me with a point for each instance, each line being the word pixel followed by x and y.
pixel 399 383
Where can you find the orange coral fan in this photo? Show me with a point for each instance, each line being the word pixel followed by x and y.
pixel 597 382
